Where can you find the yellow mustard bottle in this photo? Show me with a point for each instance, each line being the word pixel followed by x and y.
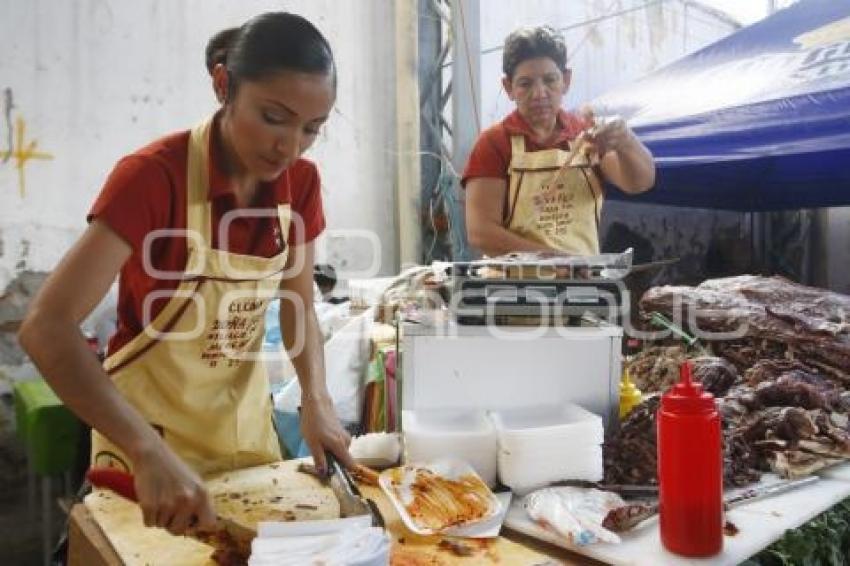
pixel 629 394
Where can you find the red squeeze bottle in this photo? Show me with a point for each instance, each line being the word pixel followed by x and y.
pixel 690 469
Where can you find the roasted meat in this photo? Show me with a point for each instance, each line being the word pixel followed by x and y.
pixel 789 413
pixel 762 318
pixel 630 455
pixel 716 374
pixel 656 369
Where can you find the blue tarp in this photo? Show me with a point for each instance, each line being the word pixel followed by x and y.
pixel 759 120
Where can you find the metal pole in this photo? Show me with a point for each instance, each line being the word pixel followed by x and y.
pixel 466 103
pixel 30 486
pixel 408 180
pixel 46 519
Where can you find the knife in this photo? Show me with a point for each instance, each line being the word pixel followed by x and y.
pixel 624 490
pixel 351 500
pixel 624 518
pixel 629 490
pixel 123 484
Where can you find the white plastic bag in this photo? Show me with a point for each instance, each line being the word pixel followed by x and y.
pixel 573 512
pixel 332 318
pixel 346 357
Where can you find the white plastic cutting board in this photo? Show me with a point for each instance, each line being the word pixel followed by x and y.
pixel 759 523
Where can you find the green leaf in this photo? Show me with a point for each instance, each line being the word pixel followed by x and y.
pixel 823 540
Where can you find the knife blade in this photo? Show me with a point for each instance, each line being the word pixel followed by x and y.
pixel 123 484
pixel 625 490
pixel 629 490
pixel 638 267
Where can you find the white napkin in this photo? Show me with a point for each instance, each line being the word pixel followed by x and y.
pixel 349 542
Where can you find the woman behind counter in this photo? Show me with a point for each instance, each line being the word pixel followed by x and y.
pixel 521 194
pixel 183 391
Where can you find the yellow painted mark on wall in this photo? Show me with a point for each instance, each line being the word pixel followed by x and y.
pixel 22 152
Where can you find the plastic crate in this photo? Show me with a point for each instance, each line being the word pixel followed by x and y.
pixel 48 429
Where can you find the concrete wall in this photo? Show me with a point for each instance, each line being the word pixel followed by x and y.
pixel 91 80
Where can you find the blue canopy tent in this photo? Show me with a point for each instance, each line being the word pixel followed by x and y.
pixel 757 121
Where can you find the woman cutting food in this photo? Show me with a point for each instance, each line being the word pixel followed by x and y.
pixel 203 228
pixel 534 181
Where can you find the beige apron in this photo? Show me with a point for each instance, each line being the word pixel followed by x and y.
pixel 195 371
pixel 552 202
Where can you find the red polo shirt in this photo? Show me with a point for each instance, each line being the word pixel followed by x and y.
pixel 146 191
pixel 491 154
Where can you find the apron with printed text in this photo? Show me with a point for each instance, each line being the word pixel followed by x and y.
pixel 195 372
pixel 552 202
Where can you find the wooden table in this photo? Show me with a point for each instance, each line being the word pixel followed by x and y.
pixel 89 546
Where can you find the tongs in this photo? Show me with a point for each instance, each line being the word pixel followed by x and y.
pixel 691 341
pixel 351 500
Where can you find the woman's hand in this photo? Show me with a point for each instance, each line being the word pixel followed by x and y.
pixel 171 494
pixel 322 431
pixel 624 160
pixel 606 135
pixel 613 135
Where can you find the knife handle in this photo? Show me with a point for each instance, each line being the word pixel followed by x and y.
pixel 120 482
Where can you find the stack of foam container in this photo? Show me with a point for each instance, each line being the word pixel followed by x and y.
pixel 466 435
pixel 542 445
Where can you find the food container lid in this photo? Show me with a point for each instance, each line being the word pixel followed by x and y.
pixel 445 422
pixel 555 423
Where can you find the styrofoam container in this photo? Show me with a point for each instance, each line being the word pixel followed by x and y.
pixel 377 450
pixel 556 456
pixel 401 496
pixel 522 473
pixel 543 445
pixel 468 436
pixel 565 423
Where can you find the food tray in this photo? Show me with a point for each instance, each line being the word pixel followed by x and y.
pixel 396 483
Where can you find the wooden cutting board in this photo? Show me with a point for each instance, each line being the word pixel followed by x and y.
pixel 244 495
pixel 274 492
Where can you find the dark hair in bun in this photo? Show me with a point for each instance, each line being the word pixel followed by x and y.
pixel 267 44
pixel 218 46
